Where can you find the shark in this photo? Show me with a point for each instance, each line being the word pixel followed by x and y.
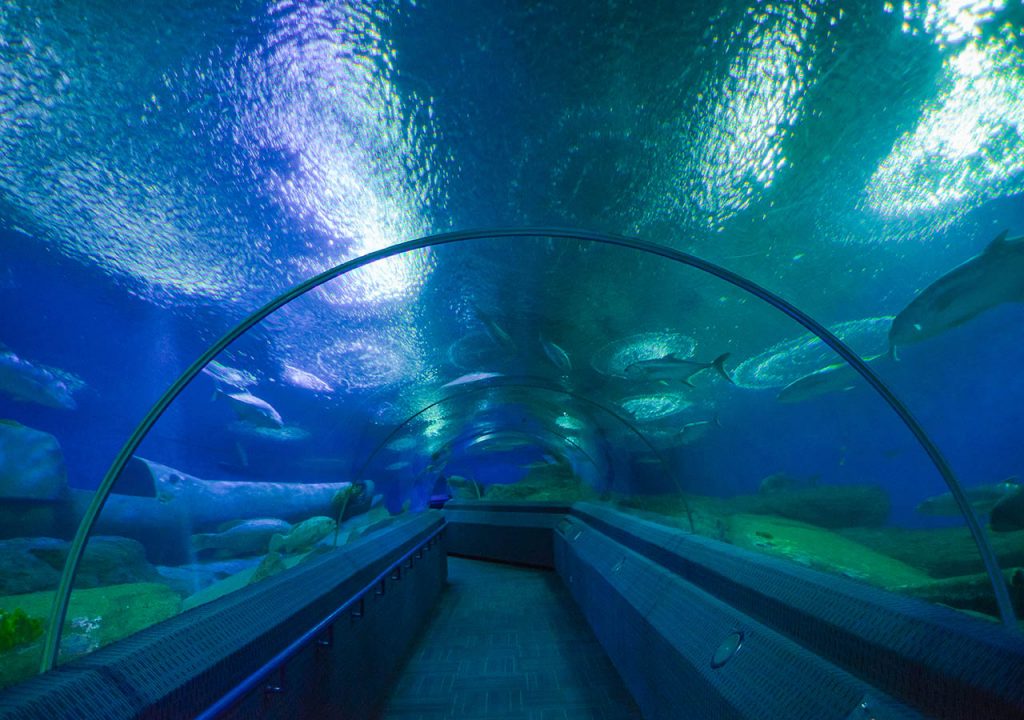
pixel 992 277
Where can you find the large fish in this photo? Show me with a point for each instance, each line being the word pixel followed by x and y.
pixel 245 537
pixel 990 278
pixel 673 368
pixel 224 375
pixel 29 382
pixel 982 498
pixel 252 410
pixel 839 377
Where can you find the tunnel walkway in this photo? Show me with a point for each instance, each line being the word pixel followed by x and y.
pixel 507 642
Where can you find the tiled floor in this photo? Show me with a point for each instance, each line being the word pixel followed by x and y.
pixel 507 643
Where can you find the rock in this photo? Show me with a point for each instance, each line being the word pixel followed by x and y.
pixel 191 578
pixel 31 464
pixel 827 506
pixel 1008 514
pixel 232 583
pixel 35 564
pixel 272 564
pixel 820 549
pixel 554 483
pixel 972 592
pixel 940 552
pixel 96 617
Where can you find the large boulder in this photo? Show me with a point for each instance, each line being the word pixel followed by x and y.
pixel 941 552
pixel 827 506
pixel 35 564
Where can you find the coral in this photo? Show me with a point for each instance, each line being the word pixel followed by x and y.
pixel 17 628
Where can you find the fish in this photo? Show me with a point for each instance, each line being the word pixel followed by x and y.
pixel 229 376
pixel 247 537
pixel 252 410
pixel 285 433
pixel 303 536
pixel 495 331
pixel 983 499
pixel 992 277
pixel 557 355
pixel 400 465
pixel 838 377
pixel 30 382
pixel 305 380
pixel 673 368
pixel 471 378
pixel 691 432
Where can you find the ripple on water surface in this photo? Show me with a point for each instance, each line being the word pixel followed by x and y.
pixel 792 359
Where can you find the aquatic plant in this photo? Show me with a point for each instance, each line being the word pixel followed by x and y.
pixel 17 628
pixel 340 501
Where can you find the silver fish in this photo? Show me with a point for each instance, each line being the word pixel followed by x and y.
pixel 982 498
pixel 838 377
pixel 673 368
pixel 253 410
pixel 29 382
pixel 471 378
pixel 990 278
pixel 557 355
pixel 229 376
pixel 691 432
pixel 495 331
pixel 284 433
pixel 305 380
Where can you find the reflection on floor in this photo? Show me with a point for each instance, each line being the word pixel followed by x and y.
pixel 508 643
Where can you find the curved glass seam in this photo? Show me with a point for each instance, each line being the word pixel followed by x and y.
pixel 62 596
pixel 547 387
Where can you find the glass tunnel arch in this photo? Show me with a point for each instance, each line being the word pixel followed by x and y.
pixel 851 358
pixel 538 385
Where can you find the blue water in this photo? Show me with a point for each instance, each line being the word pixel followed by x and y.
pixel 167 170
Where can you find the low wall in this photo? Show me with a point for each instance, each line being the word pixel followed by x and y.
pixel 511 532
pixel 184 665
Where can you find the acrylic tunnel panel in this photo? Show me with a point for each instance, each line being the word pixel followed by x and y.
pixel 580 372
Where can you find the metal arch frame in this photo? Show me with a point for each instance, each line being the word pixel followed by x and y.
pixel 520 382
pixel 60 605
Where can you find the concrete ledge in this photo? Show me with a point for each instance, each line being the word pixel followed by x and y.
pixel 519 533
pixel 662 634
pixel 938 660
pixel 180 667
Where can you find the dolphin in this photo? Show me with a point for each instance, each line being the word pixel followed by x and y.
pixel 992 277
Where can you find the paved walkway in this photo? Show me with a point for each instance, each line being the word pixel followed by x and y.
pixel 507 643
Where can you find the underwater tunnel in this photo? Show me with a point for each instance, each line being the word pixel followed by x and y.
pixel 717 417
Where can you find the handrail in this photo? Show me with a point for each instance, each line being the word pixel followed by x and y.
pixel 250 683
pixel 58 612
